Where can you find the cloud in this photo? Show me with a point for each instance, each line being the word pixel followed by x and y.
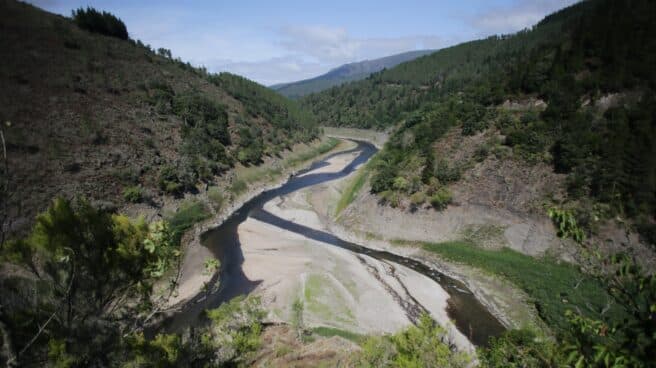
pixel 335 45
pixel 517 16
pixel 308 51
pixel 270 71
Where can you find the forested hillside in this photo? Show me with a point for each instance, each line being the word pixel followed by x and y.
pixel 577 91
pixel 344 74
pixel 88 112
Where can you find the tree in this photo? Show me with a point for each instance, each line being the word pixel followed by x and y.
pixel 104 23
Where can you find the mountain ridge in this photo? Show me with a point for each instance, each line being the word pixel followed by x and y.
pixel 345 73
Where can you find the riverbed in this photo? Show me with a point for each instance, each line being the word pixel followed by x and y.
pixel 282 253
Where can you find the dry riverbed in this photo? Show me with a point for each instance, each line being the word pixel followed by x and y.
pixel 339 288
pixel 193 274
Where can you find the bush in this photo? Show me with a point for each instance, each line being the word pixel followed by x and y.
pixel 418 198
pixel 133 194
pixel 418 346
pixel 104 23
pixel 238 186
pixel 177 179
pixel 216 197
pixel 189 213
pixel 441 199
pixel 233 334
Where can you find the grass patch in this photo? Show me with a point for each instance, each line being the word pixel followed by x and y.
pixel 352 189
pixel 189 213
pixel 322 148
pixel 249 175
pixel 324 300
pixel 330 332
pixel 554 287
pixel 238 186
pixel 215 195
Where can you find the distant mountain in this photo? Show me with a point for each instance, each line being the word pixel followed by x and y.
pixel 345 73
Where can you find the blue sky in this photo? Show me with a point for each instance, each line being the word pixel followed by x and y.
pixel 286 40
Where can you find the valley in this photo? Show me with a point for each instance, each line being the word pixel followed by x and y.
pixel 487 204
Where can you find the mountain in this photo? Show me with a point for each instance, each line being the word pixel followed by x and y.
pixel 575 92
pixel 345 73
pixel 93 115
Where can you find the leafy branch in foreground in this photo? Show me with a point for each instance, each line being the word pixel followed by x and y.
pixel 88 280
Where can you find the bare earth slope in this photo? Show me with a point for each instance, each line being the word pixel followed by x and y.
pixel 82 113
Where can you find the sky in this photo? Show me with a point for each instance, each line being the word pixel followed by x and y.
pixel 279 41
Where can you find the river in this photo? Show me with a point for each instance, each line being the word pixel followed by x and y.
pixel 470 316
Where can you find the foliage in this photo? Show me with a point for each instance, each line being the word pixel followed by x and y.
pixel 521 348
pixel 238 186
pixel 211 265
pixel 176 179
pixel 554 287
pixel 353 188
pixel 331 331
pixel 104 23
pixel 441 199
pixel 423 345
pixel 165 350
pixel 90 260
pixel 215 194
pixel 598 340
pixel 593 51
pixel 189 213
pixel 566 224
pixel 233 334
pixel 297 317
pixel 133 194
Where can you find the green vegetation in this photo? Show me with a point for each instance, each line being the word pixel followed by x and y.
pixel 352 189
pixel 423 345
pixel 234 333
pixel 189 213
pixel 253 174
pixel 217 197
pixel 591 63
pixel 553 287
pixel 80 265
pixel 331 331
pixel 238 186
pixel 104 23
pixel 133 194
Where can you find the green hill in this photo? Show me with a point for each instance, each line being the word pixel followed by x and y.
pixel 345 73
pixel 577 91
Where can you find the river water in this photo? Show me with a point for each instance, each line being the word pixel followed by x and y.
pixel 469 315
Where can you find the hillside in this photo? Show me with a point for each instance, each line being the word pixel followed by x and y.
pixel 345 73
pixel 575 92
pixel 111 120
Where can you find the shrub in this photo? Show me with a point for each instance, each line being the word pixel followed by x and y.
pixel 189 213
pixel 441 199
pixel 418 346
pixel 177 179
pixel 234 332
pixel 104 23
pixel 418 198
pixel 216 197
pixel 238 186
pixel 133 194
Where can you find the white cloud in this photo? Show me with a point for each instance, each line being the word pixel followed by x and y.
pixel 270 71
pixel 335 45
pixel 303 52
pixel 517 17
